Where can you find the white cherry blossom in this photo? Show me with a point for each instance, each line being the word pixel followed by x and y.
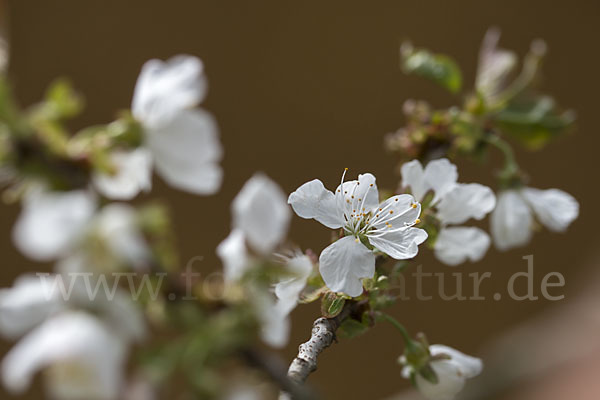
pixel 387 227
pixel 452 369
pixel 50 222
pixel 512 220
pixel 83 355
pixel 455 203
pixel 261 219
pixel 179 140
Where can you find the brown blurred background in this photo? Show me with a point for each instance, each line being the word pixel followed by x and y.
pixel 304 89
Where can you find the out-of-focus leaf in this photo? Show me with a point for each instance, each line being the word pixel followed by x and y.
pixel 437 67
pixel 62 101
pixel 351 328
pixel 534 122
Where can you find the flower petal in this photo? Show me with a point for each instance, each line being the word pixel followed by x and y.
pixel 312 200
pixel 133 174
pixel 450 382
pixel 300 267
pixel 396 212
pixel 511 221
pixel 452 374
pixel 117 226
pixel 26 304
pixel 261 212
pixel 73 342
pixel 233 255
pixel 187 151
pixel 464 201
pixel 359 194
pixel 401 243
pixel 163 89
pixel 494 65
pixel 440 176
pixel 51 221
pixel 469 366
pixel 554 208
pixel 414 176
pixel 344 263
pixel 456 245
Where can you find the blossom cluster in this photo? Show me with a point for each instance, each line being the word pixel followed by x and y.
pixel 84 226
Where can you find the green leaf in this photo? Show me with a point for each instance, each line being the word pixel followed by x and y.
pixel 62 102
pixel 332 305
pixel 534 122
pixel 351 328
pixel 439 68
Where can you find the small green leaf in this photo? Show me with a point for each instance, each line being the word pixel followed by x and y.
pixel 351 328
pixel 534 122
pixel 332 304
pixel 439 68
pixel 62 101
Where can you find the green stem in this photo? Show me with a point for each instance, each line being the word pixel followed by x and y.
pixel 511 168
pixel 407 340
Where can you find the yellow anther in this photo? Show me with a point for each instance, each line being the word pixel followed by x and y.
pixel 417 221
pixel 357 240
pixel 345 169
pixel 391 211
pixel 414 205
pixel 347 201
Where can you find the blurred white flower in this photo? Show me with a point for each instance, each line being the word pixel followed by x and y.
pixel 134 175
pixel 116 225
pixel 83 354
pixel 261 219
pixel 180 141
pixel 455 203
pixel 452 369
pixel 494 67
pixel 512 220
pixel 388 227
pixel 51 222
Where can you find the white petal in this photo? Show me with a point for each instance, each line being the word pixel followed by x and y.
pixel 358 194
pixel 456 245
pixel 554 208
pixel 133 174
pixel 312 200
pixel 187 151
pixel 468 366
pixel 117 226
pixel 414 176
pixel 51 221
pixel 273 316
pixel 26 304
pixel 511 221
pixel 86 358
pixel 260 210
pixel 440 176
pixel 397 211
pixel 494 65
pixel 163 89
pixel 300 267
pixel 344 263
pixel 466 201
pixel 450 382
pixel 401 244
pixel 233 255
